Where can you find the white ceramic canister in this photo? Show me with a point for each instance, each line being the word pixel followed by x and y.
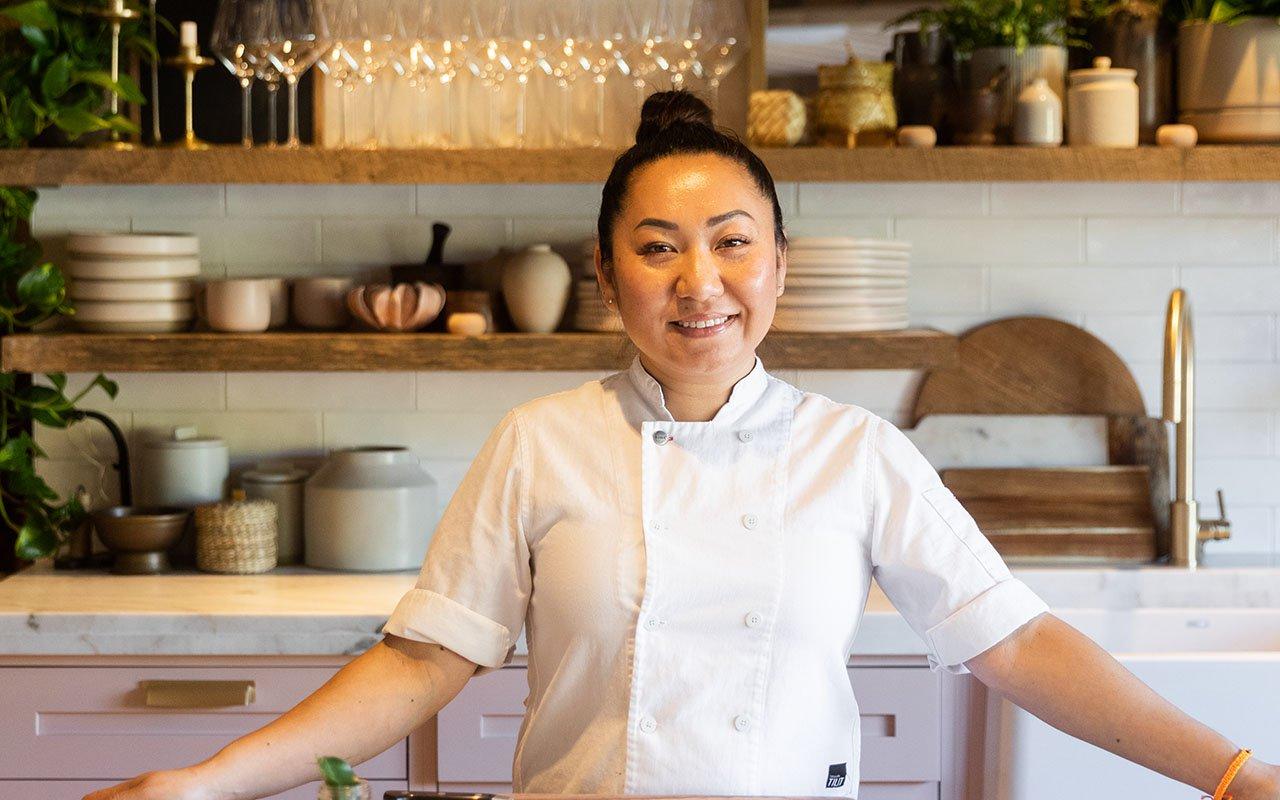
pixel 536 283
pixel 1102 106
pixel 282 483
pixel 1037 119
pixel 370 509
pixel 184 470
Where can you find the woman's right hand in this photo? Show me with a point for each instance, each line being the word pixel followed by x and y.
pixel 173 784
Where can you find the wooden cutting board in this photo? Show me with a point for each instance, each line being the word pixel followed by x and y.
pixel 1038 365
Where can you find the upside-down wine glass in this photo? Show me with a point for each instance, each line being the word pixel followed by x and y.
pixel 230 30
pixel 299 35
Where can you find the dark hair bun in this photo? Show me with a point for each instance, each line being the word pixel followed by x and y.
pixel 663 110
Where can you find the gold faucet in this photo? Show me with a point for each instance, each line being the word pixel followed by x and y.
pixel 1187 531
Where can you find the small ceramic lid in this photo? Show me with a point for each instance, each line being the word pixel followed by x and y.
pixel 186 437
pixel 1102 71
pixel 275 472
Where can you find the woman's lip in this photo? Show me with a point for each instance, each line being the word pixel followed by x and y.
pixel 696 333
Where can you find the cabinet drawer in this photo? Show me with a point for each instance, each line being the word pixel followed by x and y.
pixel 72 790
pixel 97 723
pixel 478 729
pixel 901 719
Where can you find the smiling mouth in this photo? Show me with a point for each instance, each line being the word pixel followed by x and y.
pixel 704 324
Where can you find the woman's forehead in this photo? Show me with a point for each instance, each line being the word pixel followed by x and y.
pixel 692 185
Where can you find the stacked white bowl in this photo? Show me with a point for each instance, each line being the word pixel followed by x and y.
pixel 132 282
pixel 591 313
pixel 840 284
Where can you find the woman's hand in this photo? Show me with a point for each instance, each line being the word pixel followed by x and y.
pixel 1256 780
pixel 174 784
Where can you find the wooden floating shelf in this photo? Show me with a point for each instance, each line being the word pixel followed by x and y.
pixel 392 352
pixel 233 164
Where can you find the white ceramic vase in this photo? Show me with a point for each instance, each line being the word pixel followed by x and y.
pixel 1037 121
pixel 1229 80
pixel 371 509
pixel 1048 61
pixel 535 285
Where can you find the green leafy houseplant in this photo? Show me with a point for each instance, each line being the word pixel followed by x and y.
pixel 971 24
pixel 52 57
pixel 340 779
pixel 1229 12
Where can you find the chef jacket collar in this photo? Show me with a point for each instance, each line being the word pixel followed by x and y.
pixel 749 389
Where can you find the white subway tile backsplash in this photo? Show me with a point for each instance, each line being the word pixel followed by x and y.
pixel 265 244
pixel 1237 386
pixel 565 235
pixel 1217 337
pixel 451 434
pixel 321 200
pixel 1067 291
pixel 1242 198
pixel 788 199
pixel 320 391
pixel 1232 290
pixel 1054 198
pixel 893 199
pixel 153 391
pixel 65 475
pixel 946 290
pixel 1231 434
pixel 1179 240
pixel 449 201
pixel 162 200
pixel 1251 528
pixel 448 391
pixel 250 435
pixel 380 242
pixel 1244 481
pixel 88 436
pixel 992 241
pixel 871 227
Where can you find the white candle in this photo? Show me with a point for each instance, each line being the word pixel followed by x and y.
pixel 188 30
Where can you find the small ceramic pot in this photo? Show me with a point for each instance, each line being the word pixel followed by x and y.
pixel 236 305
pixel 1037 120
pixel 279 290
pixel 403 307
pixel 1102 106
pixel 535 284
pixel 321 303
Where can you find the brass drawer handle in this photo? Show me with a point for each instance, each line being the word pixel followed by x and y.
pixel 198 694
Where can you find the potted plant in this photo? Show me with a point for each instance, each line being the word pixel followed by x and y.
pixel 1137 35
pixel 52 76
pixel 1229 69
pixel 1027 38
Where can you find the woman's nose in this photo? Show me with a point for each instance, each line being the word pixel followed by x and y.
pixel 699 278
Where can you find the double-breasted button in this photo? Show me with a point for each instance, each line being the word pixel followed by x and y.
pixel 660 437
pixel 652 624
pixel 745 436
pixel 657 525
pixel 750 521
pixel 648 724
pixel 741 722
pixel 754 620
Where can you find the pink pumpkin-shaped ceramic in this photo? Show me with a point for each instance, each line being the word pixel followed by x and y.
pixel 403 307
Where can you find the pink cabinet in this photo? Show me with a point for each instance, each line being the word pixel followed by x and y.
pixel 901 721
pixel 103 723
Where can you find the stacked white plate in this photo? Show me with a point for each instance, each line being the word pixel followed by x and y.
pixel 843 284
pixel 132 282
pixel 591 313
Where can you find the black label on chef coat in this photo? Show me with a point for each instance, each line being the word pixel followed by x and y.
pixel 835 775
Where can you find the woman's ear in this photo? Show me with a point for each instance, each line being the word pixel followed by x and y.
pixel 604 277
pixel 781 268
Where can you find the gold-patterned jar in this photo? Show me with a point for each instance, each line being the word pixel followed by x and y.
pixel 855 104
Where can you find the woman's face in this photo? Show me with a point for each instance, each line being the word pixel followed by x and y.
pixel 694 243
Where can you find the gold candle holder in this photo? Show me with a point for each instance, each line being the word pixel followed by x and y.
pixel 190 61
pixel 116 12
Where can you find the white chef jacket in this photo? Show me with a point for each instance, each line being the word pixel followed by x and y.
pixel 691 590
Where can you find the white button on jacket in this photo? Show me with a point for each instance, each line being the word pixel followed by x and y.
pixel 621 525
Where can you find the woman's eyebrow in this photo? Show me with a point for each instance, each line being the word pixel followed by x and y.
pixel 653 222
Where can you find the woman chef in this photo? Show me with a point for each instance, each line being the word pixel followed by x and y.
pixel 689 544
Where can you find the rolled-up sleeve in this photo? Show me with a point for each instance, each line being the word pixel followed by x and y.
pixel 474 586
pixel 935 566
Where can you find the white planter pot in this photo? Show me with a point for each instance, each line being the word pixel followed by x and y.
pixel 370 509
pixel 1046 61
pixel 1229 80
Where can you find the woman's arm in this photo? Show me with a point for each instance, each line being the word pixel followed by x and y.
pixel 366 707
pixel 1064 678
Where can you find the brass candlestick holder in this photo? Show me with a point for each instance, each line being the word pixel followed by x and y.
pixel 189 61
pixel 116 12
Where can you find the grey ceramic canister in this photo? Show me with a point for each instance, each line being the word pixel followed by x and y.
pixel 283 484
pixel 369 509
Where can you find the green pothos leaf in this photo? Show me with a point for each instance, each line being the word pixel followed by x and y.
pixel 336 771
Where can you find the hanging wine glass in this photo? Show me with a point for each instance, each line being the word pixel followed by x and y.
pixel 299 34
pixel 435 44
pixel 337 63
pixel 642 53
pixel 525 45
pixel 490 22
pixel 258 53
pixel 685 37
pixel 374 50
pixel 564 21
pixel 724 35
pixel 230 27
pixel 601 46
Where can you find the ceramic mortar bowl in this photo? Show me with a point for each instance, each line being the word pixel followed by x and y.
pixel 140 536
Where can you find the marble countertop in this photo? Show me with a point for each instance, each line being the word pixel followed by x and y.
pixel 307 612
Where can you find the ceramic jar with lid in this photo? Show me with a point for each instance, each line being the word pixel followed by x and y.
pixel 184 470
pixel 371 509
pixel 1102 106
pixel 282 483
pixel 1037 118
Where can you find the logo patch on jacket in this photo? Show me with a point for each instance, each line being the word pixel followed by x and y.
pixel 835 776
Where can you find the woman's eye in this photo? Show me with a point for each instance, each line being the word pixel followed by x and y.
pixel 656 247
pixel 736 241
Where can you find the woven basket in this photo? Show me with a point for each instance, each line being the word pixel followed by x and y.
pixel 855 98
pixel 776 118
pixel 237 538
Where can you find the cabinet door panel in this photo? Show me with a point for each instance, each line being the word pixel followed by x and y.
pixel 103 723
pixel 901 722
pixel 478 730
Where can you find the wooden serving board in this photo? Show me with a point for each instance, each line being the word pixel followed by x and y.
pixel 1099 512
